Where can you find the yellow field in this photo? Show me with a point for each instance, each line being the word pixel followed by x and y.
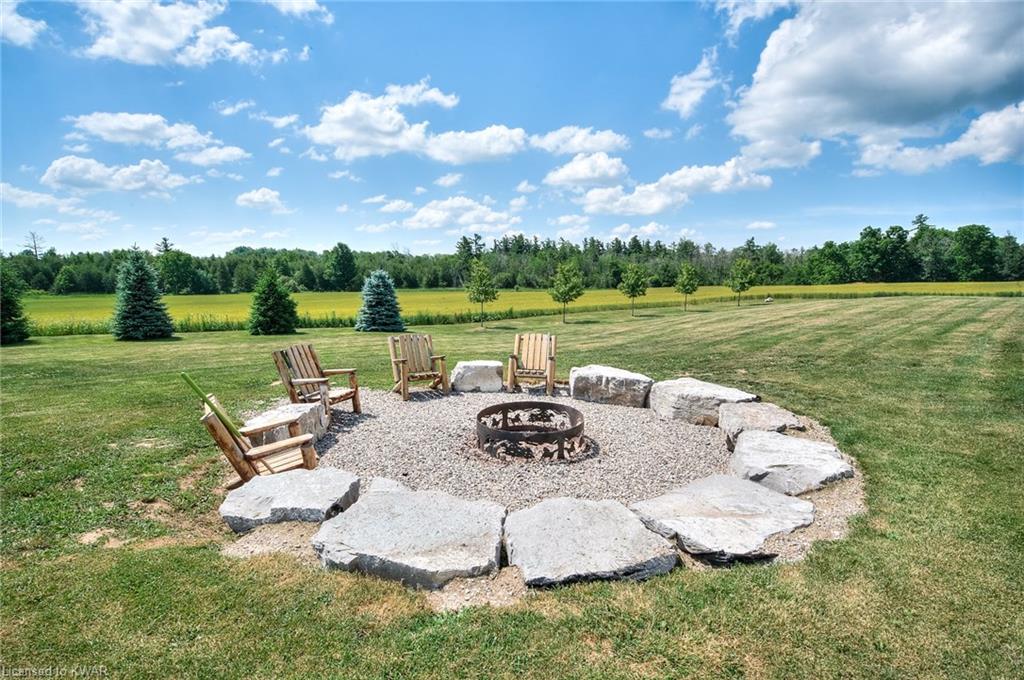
pixel 50 309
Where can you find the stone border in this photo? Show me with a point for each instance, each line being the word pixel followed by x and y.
pixel 594 540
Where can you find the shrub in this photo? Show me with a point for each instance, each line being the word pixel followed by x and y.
pixel 13 322
pixel 380 311
pixel 139 313
pixel 273 309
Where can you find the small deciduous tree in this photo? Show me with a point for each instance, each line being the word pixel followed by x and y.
pixel 741 277
pixel 273 310
pixel 340 268
pixel 567 285
pixel 139 313
pixel 480 286
pixel 687 281
pixel 13 322
pixel 380 310
pixel 634 284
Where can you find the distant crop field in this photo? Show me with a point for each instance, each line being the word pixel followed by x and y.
pixel 82 314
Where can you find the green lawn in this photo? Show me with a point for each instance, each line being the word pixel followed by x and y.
pixel 926 392
pixel 62 311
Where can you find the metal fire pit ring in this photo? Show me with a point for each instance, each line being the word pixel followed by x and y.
pixel 531 430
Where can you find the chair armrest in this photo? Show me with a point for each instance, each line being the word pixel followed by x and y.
pixel 338 371
pixel 277 447
pixel 437 357
pixel 308 381
pixel 256 429
pixel 399 361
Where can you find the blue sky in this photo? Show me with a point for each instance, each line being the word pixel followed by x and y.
pixel 299 124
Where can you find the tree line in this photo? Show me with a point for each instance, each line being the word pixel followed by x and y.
pixel 923 252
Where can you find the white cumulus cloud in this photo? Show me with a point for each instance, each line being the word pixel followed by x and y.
pixel 262 199
pixel 879 74
pixel 16 28
pixel 460 214
pixel 213 155
pixel 303 9
pixel 449 180
pixel 87 174
pixel 572 139
pixel 688 89
pixel 586 170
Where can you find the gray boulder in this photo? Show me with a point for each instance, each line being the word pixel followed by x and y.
pixel 724 517
pixel 477 376
pixel 609 385
pixel 692 400
pixel 789 465
pixel 293 496
pixel 736 417
pixel 421 538
pixel 311 417
pixel 560 540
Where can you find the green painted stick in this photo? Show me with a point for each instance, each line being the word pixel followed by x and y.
pixel 228 422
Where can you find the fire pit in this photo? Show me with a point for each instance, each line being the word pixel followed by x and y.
pixel 531 430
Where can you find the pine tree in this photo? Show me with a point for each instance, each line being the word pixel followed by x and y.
pixel 741 277
pixel 380 311
pixel 480 286
pixel 687 281
pixel 139 313
pixel 273 309
pixel 13 322
pixel 567 285
pixel 633 285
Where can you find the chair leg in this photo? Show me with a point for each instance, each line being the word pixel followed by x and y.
pixel 444 378
pixel 405 383
pixel 510 382
pixel 308 457
pixel 353 383
pixel 550 378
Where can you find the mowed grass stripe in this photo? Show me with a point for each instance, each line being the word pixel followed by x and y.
pixel 929 584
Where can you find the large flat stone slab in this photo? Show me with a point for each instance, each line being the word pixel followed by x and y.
pixel 692 400
pixel 477 376
pixel 609 385
pixel 293 496
pixel 724 517
pixel 561 540
pixel 736 417
pixel 421 538
pixel 310 416
pixel 789 465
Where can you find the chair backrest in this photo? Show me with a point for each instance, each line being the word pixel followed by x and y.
pixel 416 349
pixel 231 446
pixel 533 350
pixel 296 362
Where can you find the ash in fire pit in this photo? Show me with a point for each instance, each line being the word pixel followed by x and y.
pixel 531 430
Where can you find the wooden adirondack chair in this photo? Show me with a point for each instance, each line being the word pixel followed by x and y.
pixel 413 359
pixel 532 358
pixel 306 381
pixel 250 461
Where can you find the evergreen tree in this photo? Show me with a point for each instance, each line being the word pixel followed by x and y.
pixel 567 285
pixel 687 281
pixel 480 286
pixel 139 313
pixel 273 309
pixel 13 322
pixel 741 277
pixel 380 311
pixel 633 284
